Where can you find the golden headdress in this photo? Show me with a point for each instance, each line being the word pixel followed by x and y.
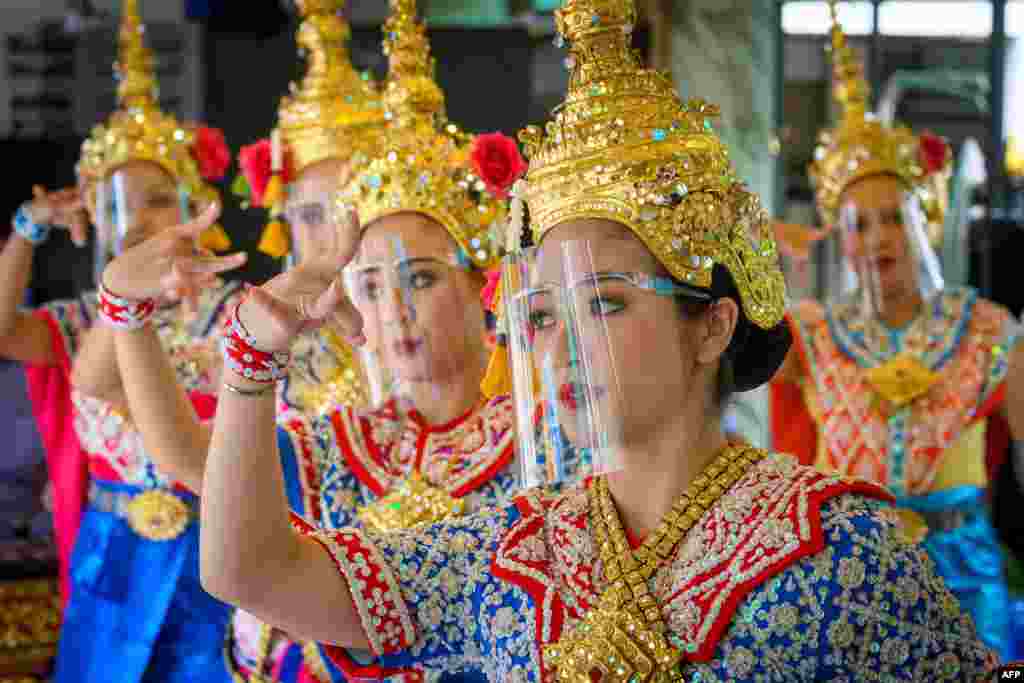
pixel 426 165
pixel 861 145
pixel 139 130
pixel 334 112
pixel 623 147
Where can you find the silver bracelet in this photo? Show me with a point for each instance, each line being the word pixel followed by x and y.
pixel 250 393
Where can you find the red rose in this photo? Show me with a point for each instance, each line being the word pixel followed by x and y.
pixel 934 153
pixel 211 153
pixel 497 161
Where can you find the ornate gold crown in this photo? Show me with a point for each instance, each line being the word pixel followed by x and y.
pixel 862 146
pixel 623 147
pixel 334 112
pixel 138 130
pixel 425 165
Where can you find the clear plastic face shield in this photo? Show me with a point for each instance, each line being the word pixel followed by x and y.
pixel 312 216
pixel 886 255
pixel 565 349
pixel 416 319
pixel 132 206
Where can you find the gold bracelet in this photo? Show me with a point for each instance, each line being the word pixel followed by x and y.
pixel 249 393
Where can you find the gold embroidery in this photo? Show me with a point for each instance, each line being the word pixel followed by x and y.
pixel 623 638
pixel 412 503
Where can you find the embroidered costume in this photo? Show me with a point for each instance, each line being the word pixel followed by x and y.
pixel 912 409
pixel 794 575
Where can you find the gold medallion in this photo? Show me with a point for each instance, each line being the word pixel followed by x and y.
pixel 414 502
pixel 158 515
pixel 901 379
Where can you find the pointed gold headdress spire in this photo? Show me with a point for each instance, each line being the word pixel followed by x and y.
pixel 412 97
pixel 134 70
pixel 333 112
pixel 428 165
pixel 860 145
pixel 624 148
pixel 138 130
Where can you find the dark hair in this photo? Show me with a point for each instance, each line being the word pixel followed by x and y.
pixel 753 355
pixel 721 286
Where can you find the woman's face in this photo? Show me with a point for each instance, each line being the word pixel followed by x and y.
pixel 150 201
pixel 878 243
pixel 422 313
pixel 651 348
pixel 308 206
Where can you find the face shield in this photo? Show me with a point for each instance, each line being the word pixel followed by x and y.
pixel 313 217
pixel 886 254
pixel 130 210
pixel 413 310
pixel 565 349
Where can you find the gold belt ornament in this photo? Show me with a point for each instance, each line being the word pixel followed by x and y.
pixel 414 502
pixel 158 515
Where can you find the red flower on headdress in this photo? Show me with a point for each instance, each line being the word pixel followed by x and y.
pixel 256 161
pixel 487 293
pixel 496 159
pixel 211 152
pixel 934 153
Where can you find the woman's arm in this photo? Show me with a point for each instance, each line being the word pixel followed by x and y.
pixel 249 554
pixel 23 336
pixel 94 370
pixel 160 408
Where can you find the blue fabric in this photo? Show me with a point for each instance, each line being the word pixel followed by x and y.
pixel 292 664
pixel 290 468
pixel 138 613
pixel 970 561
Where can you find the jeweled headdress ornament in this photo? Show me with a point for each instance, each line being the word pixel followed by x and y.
pixel 429 165
pixel 334 112
pixel 625 148
pixel 139 131
pixel 861 145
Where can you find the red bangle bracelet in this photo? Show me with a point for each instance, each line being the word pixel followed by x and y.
pixel 122 313
pixel 243 358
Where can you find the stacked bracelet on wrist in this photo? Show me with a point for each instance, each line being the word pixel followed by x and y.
pixel 26 226
pixel 243 358
pixel 124 314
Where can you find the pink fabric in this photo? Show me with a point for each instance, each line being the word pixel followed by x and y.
pixel 49 389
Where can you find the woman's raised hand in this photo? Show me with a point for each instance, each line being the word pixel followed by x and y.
pixel 169 263
pixel 307 296
pixel 64 209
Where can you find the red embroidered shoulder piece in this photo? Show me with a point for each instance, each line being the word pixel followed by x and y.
pixel 770 520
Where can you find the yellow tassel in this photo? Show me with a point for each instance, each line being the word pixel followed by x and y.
pixel 274 241
pixel 497 380
pixel 274 193
pixel 215 238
